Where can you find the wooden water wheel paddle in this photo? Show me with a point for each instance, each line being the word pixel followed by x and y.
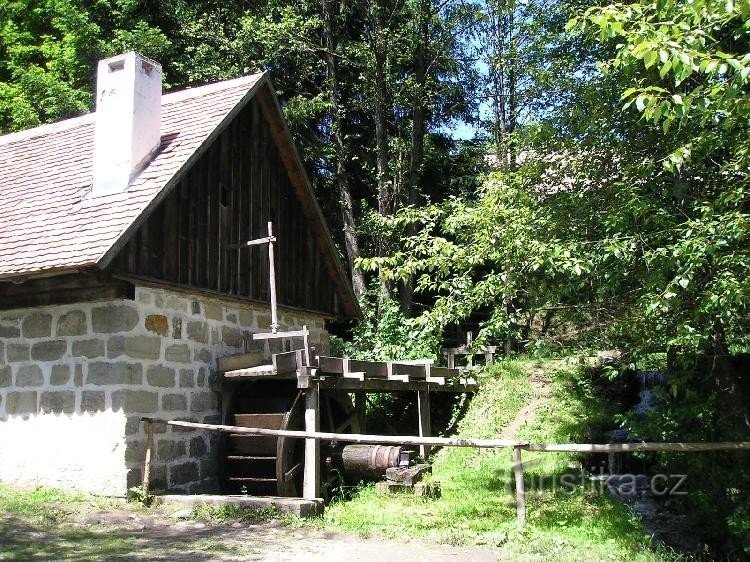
pixel 269 465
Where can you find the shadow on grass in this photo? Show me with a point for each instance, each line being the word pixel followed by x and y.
pixel 21 539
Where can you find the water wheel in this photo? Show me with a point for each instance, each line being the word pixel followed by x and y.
pixel 269 465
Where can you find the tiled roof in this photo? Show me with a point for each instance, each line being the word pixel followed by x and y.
pixel 49 222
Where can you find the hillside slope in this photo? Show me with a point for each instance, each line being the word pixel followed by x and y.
pixel 538 401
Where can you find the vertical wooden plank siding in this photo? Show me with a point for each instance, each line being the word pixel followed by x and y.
pixel 228 197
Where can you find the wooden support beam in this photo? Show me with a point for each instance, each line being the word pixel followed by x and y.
pixel 290 334
pixel 335 382
pixel 520 488
pixel 311 485
pixel 360 408
pixel 425 422
pixel 243 361
pixel 147 462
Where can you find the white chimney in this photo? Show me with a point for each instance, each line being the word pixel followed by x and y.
pixel 128 114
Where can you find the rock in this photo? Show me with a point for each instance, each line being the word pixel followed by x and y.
pixel 407 476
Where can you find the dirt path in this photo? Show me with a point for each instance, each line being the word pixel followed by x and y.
pixel 125 535
pixel 542 391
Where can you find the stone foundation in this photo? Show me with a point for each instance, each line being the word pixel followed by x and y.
pixel 75 380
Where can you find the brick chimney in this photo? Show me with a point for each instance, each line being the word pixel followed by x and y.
pixel 128 116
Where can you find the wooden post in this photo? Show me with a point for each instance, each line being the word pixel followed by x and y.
pixel 147 462
pixel 360 409
pixel 520 488
pixel 425 428
pixel 311 486
pixel 272 279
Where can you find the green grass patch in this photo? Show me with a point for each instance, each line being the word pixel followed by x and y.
pixel 477 507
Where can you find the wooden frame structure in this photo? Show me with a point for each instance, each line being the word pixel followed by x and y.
pixel 314 374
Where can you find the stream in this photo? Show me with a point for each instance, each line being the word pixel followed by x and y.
pixel 629 480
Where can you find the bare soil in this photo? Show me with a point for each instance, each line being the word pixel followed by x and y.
pixel 542 389
pixel 126 535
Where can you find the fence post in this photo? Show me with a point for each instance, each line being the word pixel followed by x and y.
pixel 520 488
pixel 147 462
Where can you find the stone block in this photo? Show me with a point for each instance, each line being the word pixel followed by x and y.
pixel 159 478
pixel 246 317
pixel 159 375
pixel 58 401
pixel 231 336
pixel 195 307
pixel 18 352
pixel 114 373
pixel 133 426
pixel 18 403
pixel 49 350
pixel 168 450
pixel 202 401
pixel 202 355
pixel 94 401
pixel 177 328
pixel 198 447
pixel 5 377
pixel 213 311
pixel 251 345
pixel 135 347
pixel 91 349
pixel 174 402
pixel 9 331
pixel 157 323
pixel 183 473
pixel 197 331
pixel 37 325
pixel 134 477
pixel 275 346
pixel 208 467
pixel 263 321
pixel 135 401
pixel 2 353
pixel 231 317
pixel 173 302
pixel 72 323
pixel 187 378
pixel 78 377
pixel 144 296
pixel 29 375
pixel 60 374
pixel 215 336
pixel 114 318
pixel 135 452
pixel 201 377
pixel 179 353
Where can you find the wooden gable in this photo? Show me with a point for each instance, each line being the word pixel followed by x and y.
pixel 241 181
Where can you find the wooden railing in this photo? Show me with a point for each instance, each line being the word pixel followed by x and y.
pixel 517 446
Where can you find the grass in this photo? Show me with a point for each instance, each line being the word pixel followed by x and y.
pixel 35 525
pixel 477 506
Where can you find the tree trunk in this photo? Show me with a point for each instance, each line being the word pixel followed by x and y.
pixel 342 175
pixel 419 115
pixel 386 204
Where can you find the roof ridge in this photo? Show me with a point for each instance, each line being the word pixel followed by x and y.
pixel 167 99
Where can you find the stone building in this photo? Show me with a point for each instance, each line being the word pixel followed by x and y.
pixel 123 279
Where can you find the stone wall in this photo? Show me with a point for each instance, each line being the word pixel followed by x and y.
pixel 75 380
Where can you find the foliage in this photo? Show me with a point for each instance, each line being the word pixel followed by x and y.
pixel 386 334
pixel 477 505
pixel 228 512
